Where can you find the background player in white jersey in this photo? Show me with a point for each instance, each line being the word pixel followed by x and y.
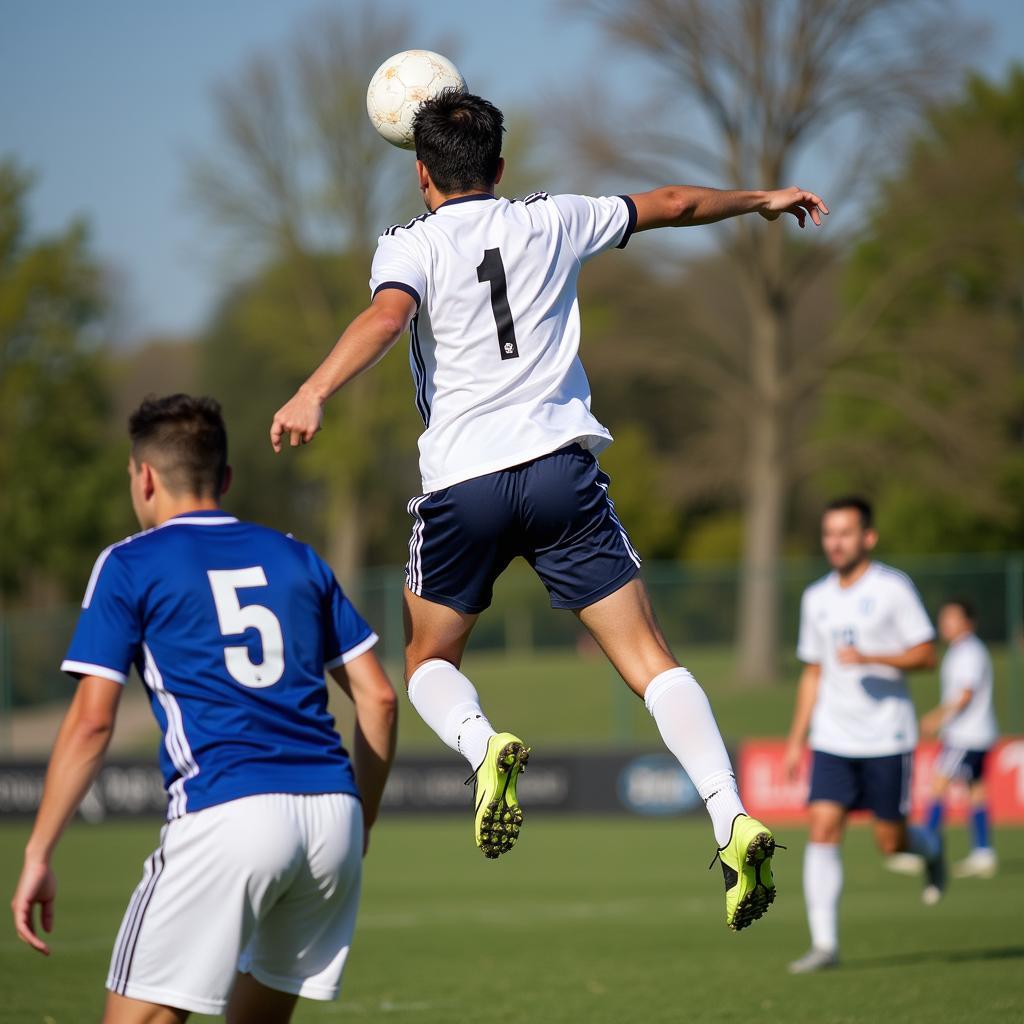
pixel 966 721
pixel 861 628
pixel 487 287
pixel 250 899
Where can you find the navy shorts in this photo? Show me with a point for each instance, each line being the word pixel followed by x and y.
pixel 555 511
pixel 877 784
pixel 965 765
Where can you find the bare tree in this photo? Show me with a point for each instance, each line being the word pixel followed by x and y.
pixel 761 83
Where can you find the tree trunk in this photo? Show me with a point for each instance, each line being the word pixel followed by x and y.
pixel 345 537
pixel 764 498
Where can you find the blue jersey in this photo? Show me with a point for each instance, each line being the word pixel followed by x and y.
pixel 231 627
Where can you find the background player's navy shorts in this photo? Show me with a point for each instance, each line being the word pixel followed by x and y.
pixel 956 763
pixel 877 784
pixel 554 511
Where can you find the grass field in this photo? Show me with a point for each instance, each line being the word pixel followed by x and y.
pixel 590 920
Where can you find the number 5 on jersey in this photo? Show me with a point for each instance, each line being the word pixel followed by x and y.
pixel 235 619
pixel 492 270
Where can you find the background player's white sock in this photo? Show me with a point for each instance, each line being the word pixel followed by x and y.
pixel 448 702
pixel 688 727
pixel 823 884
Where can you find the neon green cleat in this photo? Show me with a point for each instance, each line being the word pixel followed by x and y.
pixel 498 814
pixel 747 866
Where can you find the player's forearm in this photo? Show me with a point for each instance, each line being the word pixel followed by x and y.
pixel 365 342
pixel 373 751
pixel 690 205
pixel 76 760
pixel 919 658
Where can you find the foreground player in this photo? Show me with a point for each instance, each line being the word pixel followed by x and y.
pixel 250 899
pixel 488 288
pixel 966 722
pixel 861 628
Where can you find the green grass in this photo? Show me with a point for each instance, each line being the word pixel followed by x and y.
pixel 590 920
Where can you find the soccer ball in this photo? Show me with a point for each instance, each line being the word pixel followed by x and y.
pixel 401 84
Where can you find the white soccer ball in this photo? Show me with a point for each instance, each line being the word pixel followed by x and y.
pixel 401 84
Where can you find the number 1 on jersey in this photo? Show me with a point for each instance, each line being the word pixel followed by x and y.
pixel 492 270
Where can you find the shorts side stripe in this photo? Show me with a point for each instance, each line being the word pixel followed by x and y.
pixel 631 551
pixel 130 940
pixel 414 570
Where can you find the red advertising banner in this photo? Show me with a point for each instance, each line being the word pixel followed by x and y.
pixel 769 795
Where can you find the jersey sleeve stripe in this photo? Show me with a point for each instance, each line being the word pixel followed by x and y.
pixel 353 652
pixel 84 668
pixel 631 224
pixel 401 286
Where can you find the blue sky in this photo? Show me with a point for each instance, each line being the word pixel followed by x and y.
pixel 103 100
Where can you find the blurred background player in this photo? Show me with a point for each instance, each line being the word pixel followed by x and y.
pixel 488 288
pixel 250 900
pixel 966 722
pixel 861 628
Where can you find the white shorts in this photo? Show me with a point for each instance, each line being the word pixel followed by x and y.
pixel 267 885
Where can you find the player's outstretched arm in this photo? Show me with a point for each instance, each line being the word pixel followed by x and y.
pixel 920 657
pixel 364 342
pixel 76 760
pixel 806 697
pixel 678 206
pixel 376 730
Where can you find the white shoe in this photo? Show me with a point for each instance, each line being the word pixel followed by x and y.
pixel 814 960
pixel 981 862
pixel 905 863
pixel 930 895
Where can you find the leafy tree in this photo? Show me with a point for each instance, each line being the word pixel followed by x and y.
pixel 62 480
pixel 929 417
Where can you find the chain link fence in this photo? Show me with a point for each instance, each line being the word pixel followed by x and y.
pixel 695 603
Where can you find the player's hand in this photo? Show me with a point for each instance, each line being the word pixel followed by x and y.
pixel 37 884
pixel 300 418
pixel 931 723
pixel 792 759
pixel 850 656
pixel 796 201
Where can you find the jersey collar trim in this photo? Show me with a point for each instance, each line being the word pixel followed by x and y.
pixel 210 518
pixel 465 199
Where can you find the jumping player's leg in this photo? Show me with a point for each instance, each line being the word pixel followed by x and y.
pixel 624 626
pixel 448 702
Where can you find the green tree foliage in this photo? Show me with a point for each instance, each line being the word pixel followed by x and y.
pixel 930 417
pixel 252 358
pixel 62 481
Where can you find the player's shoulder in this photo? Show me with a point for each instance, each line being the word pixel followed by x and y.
pixel 819 587
pixel 895 579
pixel 533 197
pixel 112 558
pixel 401 232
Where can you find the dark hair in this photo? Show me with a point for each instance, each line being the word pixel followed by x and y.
pixel 965 605
pixel 859 505
pixel 458 138
pixel 185 440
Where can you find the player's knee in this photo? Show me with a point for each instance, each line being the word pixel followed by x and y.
pixel 890 842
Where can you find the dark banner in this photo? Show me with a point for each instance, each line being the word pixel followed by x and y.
pixel 611 783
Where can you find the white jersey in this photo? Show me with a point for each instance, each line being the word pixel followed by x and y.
pixel 494 346
pixel 967 666
pixel 862 710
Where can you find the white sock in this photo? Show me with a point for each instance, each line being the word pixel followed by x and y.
pixel 688 727
pixel 823 884
pixel 923 842
pixel 448 702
